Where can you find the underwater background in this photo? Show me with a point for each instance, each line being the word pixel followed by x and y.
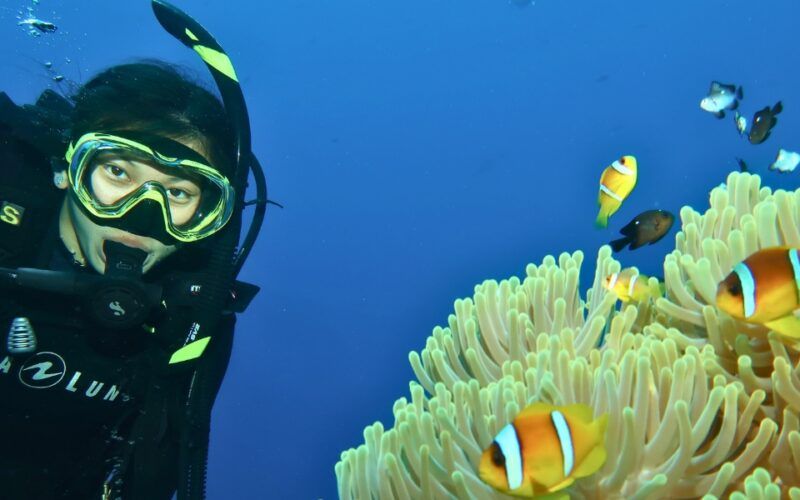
pixel 418 148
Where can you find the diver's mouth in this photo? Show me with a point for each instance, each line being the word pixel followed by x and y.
pixel 131 242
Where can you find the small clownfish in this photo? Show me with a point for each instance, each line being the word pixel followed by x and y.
pixel 616 183
pixel 763 289
pixel 629 285
pixel 544 449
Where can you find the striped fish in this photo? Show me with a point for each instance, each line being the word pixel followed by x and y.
pixel 765 289
pixel 616 183
pixel 544 449
pixel 629 285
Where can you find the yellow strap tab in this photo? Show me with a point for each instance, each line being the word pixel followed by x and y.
pixel 216 59
pixel 189 351
pixel 191 35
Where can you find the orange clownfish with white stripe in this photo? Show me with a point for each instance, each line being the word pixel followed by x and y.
pixel 628 285
pixel 616 183
pixel 765 289
pixel 544 450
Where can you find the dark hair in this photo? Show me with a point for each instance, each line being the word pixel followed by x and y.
pixel 154 98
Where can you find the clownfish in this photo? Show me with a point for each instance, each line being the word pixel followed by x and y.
pixel 629 285
pixel 763 289
pixel 544 449
pixel 616 183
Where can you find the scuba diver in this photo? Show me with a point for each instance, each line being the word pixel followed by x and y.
pixel 120 224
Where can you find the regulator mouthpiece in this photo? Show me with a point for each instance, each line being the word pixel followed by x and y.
pixel 123 261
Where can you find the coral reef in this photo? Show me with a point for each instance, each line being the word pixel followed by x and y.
pixel 703 406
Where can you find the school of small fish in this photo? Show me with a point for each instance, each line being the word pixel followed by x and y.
pixel 545 448
pixel 722 97
pixel 763 289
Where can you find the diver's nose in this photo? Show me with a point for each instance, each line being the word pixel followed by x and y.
pixel 144 219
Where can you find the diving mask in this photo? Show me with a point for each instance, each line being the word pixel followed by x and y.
pixel 136 182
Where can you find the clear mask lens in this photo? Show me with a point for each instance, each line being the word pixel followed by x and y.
pixel 110 177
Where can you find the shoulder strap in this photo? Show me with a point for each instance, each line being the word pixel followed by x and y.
pixel 206 382
pixel 171 432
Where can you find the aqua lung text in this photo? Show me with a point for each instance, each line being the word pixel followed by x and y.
pixel 48 370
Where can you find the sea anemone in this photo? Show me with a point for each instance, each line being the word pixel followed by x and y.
pixel 700 403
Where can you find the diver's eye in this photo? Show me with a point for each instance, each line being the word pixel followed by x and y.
pixel 177 193
pixel 115 171
pixel 497 456
pixel 735 289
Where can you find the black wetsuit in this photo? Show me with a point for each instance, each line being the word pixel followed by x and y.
pixel 90 408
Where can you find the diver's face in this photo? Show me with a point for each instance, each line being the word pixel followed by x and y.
pixel 113 177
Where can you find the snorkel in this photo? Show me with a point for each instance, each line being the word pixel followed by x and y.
pixel 225 262
pixel 194 36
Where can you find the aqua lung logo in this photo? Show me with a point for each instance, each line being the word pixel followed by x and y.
pixel 46 370
pixel 43 370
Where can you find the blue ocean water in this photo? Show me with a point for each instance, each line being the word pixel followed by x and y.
pixel 420 147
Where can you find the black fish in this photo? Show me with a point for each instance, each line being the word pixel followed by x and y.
pixel 647 227
pixel 763 122
pixel 742 165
